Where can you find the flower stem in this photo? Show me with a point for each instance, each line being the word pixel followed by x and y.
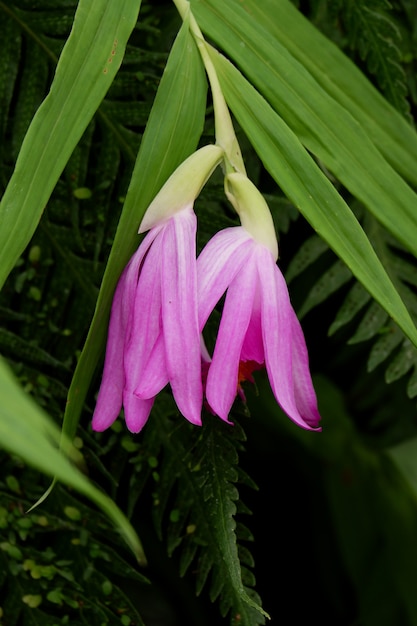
pixel 225 134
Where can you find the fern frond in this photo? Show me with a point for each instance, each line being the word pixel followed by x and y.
pixel 307 254
pixel 196 496
pixel 330 282
pixel 372 322
pixel 372 31
pixel 18 349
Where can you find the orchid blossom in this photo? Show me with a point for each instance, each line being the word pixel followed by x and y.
pixel 258 323
pixel 153 336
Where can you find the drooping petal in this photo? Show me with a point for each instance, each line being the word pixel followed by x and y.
pixel 110 397
pixel 218 263
pixel 155 375
pixel 305 395
pixel 146 319
pixel 253 347
pixel 277 326
pixel 136 411
pixel 222 379
pixel 180 313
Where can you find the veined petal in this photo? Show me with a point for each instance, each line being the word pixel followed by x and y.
pixel 110 396
pixel 136 411
pixel 146 319
pixel 305 395
pixel 222 379
pixel 277 326
pixel 253 347
pixel 155 375
pixel 217 265
pixel 109 401
pixel 180 313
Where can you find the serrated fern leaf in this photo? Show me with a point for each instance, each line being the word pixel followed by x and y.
pixel 372 31
pixel 19 349
pixel 330 282
pixel 374 321
pixel 197 492
pixel 371 321
pixel 306 255
pixel 355 300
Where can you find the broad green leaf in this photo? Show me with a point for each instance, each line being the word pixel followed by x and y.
pixel 172 134
pixel 309 189
pixel 88 63
pixel 323 125
pixel 25 430
pixel 342 80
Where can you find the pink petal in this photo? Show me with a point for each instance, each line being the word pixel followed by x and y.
pixel 180 313
pixel 222 379
pixel 305 396
pixel 155 375
pixel 146 319
pixel 217 265
pixel 253 347
pixel 277 325
pixel 109 401
pixel 136 411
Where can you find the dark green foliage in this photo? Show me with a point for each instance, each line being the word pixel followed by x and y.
pixel 366 320
pixel 191 477
pixel 61 563
pixel 348 495
pixel 376 34
pixel 196 490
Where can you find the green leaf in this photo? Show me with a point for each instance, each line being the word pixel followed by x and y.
pixel 325 127
pixel 172 134
pixel 87 66
pixel 307 187
pixel 341 79
pixel 25 430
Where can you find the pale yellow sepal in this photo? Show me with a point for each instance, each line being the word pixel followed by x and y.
pixel 252 209
pixel 183 186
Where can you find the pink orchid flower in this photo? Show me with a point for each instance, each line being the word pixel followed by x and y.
pixel 154 312
pixel 258 324
pixel 153 336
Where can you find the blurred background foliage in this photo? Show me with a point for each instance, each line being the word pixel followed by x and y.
pixel 332 536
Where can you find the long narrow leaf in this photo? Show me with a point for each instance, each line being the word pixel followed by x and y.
pixel 87 66
pixel 325 127
pixel 341 79
pixel 309 189
pixel 172 133
pixel 25 430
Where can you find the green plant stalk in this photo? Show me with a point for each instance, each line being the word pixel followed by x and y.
pixel 225 133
